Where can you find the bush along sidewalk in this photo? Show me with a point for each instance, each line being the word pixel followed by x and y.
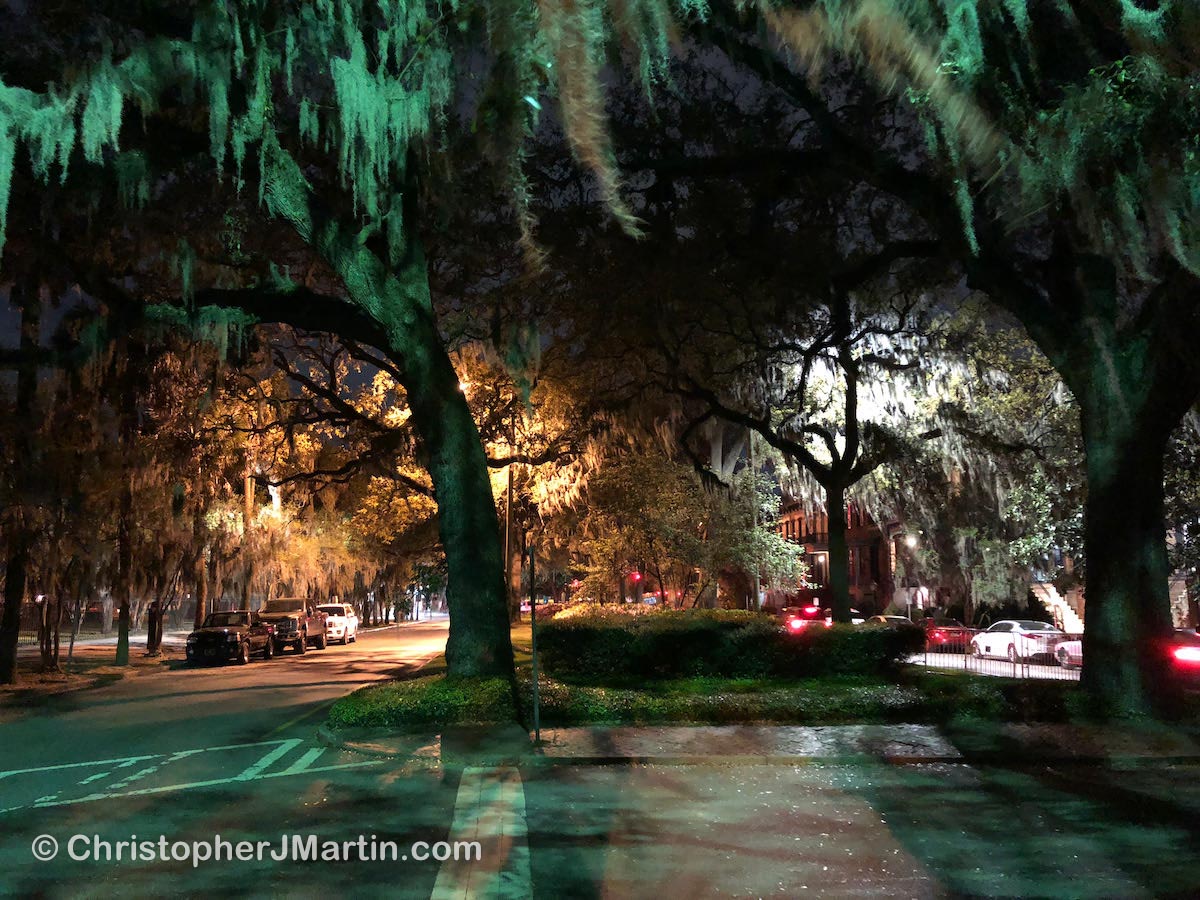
pixel 434 703
pixel 608 647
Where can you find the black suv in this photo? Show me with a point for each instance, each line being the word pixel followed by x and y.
pixel 230 635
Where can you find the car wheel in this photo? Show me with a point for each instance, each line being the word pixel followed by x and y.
pixel 1012 654
pixel 972 649
pixel 269 649
pixel 244 653
pixel 322 641
pixel 354 640
pixel 302 644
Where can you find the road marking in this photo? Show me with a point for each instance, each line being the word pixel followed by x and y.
pixel 95 777
pixel 302 764
pixel 270 759
pixel 490 809
pixel 126 760
pixel 192 785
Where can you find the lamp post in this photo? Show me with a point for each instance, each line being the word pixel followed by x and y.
pixel 533 652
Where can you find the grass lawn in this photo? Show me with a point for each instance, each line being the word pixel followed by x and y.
pixel 917 696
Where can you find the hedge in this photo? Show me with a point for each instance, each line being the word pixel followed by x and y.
pixel 604 647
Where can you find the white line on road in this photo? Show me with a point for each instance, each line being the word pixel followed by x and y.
pixel 302 764
pixel 126 761
pixel 267 761
pixel 192 785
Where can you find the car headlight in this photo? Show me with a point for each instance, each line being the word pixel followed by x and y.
pixel 192 638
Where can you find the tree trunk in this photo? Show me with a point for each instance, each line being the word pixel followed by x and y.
pixel 479 643
pixel 839 553
pixel 14 595
pixel 397 298
pixel 1127 610
pixel 27 297
pixel 201 578
pixel 124 585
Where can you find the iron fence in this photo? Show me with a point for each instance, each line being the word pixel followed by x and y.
pixel 1052 656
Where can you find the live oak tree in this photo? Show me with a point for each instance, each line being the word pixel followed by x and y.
pixel 323 110
pixel 1065 185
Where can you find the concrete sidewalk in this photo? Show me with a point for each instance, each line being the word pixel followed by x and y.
pixel 737 745
pixel 840 811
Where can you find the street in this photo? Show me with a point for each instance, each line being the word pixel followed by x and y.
pixel 229 751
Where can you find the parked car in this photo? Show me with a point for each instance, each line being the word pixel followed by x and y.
pixel 947 635
pixel 1017 640
pixel 230 635
pixel 341 623
pixel 796 618
pixel 891 621
pixel 298 622
pixel 1183 647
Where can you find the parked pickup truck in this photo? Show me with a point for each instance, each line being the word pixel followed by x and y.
pixel 298 622
pixel 230 635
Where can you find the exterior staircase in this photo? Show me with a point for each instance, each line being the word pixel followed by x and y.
pixel 1059 608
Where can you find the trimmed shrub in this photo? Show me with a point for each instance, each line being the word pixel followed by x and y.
pixel 604 647
pixel 420 702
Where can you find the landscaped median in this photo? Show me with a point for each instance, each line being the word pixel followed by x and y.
pixel 707 667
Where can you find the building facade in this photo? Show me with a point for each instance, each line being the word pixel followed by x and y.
pixel 876 555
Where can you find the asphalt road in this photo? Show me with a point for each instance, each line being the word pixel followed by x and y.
pixel 197 752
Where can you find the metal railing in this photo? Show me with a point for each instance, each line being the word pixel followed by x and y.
pixel 1054 657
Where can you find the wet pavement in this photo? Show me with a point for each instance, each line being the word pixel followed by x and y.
pixel 753 811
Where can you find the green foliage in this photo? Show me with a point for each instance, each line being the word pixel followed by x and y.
pixel 608 646
pixel 726 701
pixel 374 79
pixel 430 702
pixel 1116 142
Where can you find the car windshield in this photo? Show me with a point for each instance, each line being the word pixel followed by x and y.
pixel 335 610
pixel 225 619
pixel 284 606
pixel 1036 626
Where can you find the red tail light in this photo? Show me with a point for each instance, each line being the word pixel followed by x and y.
pixel 796 624
pixel 1187 655
pixel 938 635
pixel 812 610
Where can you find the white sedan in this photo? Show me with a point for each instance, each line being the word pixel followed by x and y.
pixel 1017 640
pixel 342 624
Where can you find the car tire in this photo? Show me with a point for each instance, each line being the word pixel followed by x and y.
pixel 302 644
pixel 322 641
pixel 972 649
pixel 1063 658
pixel 1012 654
pixel 243 653
pixel 354 640
pixel 269 649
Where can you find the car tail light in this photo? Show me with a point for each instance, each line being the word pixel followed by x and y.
pixel 938 635
pixel 796 624
pixel 1187 655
